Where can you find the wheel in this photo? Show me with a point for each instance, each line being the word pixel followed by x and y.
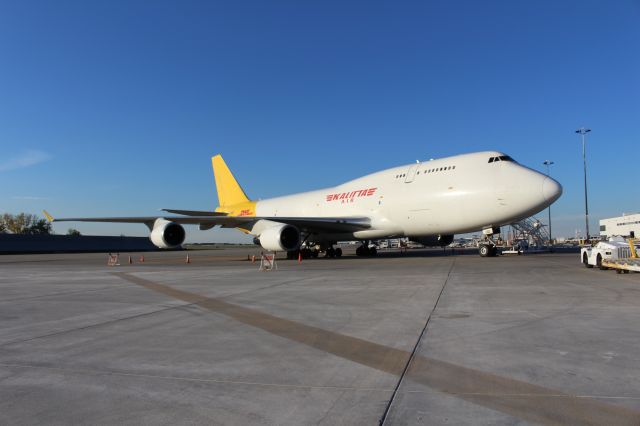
pixel 306 253
pixel 330 253
pixel 373 251
pixel 585 261
pixel 360 251
pixel 338 252
pixel 484 250
pixel 599 263
pixel 315 253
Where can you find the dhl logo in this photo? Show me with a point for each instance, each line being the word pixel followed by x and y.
pixel 246 212
pixel 348 197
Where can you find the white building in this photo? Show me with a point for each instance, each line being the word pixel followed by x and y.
pixel 623 225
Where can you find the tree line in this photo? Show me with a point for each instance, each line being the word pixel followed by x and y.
pixel 27 224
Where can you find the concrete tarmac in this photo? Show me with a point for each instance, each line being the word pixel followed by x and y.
pixel 421 338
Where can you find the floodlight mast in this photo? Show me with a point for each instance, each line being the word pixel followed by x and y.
pixel 583 131
pixel 549 163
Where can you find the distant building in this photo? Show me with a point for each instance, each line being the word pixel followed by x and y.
pixel 625 225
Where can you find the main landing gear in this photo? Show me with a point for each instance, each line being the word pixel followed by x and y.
pixel 314 251
pixel 365 250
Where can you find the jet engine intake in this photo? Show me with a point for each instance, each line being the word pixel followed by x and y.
pixel 166 234
pixel 280 238
pixel 434 240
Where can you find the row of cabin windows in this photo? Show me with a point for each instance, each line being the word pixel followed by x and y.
pixel 628 223
pixel 441 169
pixel 501 158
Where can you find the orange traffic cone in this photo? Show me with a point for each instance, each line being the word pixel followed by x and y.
pixel 130 261
pixel 188 260
pixel 299 257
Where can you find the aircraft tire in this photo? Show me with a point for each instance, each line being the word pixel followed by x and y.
pixel 484 250
pixel 338 252
pixel 585 261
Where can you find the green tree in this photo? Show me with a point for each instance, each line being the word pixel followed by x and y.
pixel 73 232
pixel 25 223
pixel 39 227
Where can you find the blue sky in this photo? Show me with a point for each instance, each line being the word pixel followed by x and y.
pixel 115 108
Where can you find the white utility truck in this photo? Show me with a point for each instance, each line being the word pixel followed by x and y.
pixel 617 253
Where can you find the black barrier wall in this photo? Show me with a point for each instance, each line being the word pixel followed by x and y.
pixel 16 244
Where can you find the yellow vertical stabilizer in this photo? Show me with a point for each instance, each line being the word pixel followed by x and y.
pixel 229 191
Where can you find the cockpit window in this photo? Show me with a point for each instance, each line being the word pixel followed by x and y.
pixel 501 158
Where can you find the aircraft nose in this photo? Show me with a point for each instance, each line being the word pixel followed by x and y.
pixel 551 190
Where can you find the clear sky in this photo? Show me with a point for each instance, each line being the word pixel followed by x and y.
pixel 115 107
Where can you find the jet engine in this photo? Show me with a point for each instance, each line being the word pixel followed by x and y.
pixel 434 240
pixel 166 234
pixel 279 238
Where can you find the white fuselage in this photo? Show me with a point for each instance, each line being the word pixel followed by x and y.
pixel 463 193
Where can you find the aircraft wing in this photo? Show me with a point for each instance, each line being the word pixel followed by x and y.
pixel 305 224
pixel 194 212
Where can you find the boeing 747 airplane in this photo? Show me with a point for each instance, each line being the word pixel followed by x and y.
pixel 427 202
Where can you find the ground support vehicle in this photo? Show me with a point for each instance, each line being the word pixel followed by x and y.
pixel 617 253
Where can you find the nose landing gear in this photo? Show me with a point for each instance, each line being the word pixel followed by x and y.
pixel 487 248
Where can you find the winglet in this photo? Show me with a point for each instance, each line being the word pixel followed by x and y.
pixel 48 216
pixel 229 191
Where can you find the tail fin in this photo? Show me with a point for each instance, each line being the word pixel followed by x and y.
pixel 229 191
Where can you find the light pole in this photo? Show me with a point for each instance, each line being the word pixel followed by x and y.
pixel 583 131
pixel 548 163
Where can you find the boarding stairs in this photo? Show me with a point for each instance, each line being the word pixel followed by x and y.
pixel 533 231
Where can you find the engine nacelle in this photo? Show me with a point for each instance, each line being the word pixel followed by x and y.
pixel 434 240
pixel 166 234
pixel 279 238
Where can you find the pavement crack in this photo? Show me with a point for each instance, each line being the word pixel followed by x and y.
pixel 387 409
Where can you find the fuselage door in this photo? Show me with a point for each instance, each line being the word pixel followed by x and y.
pixel 411 173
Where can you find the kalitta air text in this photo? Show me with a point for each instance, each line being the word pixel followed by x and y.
pixel 348 197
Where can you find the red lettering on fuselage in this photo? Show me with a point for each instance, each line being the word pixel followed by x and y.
pixel 348 197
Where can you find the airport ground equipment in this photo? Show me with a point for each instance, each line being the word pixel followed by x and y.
pixel 268 262
pixel 113 260
pixel 617 253
pixel 533 231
